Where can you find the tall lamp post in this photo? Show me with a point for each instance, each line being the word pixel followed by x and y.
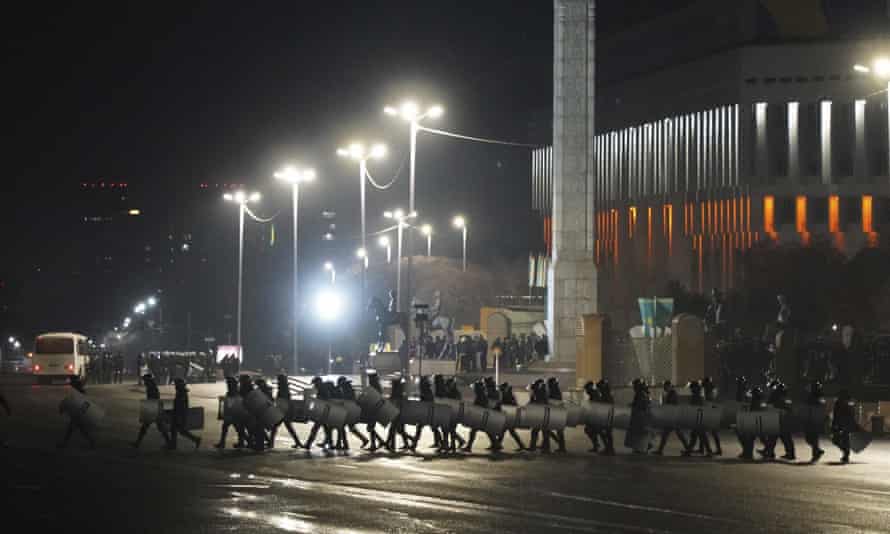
pixel 460 223
pixel 427 230
pixel 384 242
pixel 410 112
pixel 294 176
pixel 241 198
pixel 328 306
pixel 357 152
pixel 881 69
pixel 401 219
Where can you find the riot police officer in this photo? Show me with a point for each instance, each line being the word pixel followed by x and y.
pixel 323 391
pixel 638 431
pixel 671 398
pixel 374 383
pixel 426 395
pixel 710 391
pixel 267 391
pixel 555 394
pixel 347 393
pixel 605 396
pixel 153 394
pixel 592 431
pixel 509 399
pixel 481 400
pixel 397 396
pixel 779 400
pixel 698 435
pixel 452 392
pixel 231 392
pixel 76 422
pixel 539 396
pixel 811 432
pixel 747 441
pixel 180 415
pixel 283 393
pixel 253 428
pixel 843 423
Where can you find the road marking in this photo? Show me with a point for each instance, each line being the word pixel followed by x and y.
pixel 640 507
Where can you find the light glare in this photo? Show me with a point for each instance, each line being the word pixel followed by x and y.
pixel 426 229
pixel 384 241
pixel 459 222
pixel 361 253
pixel 378 151
pixel 328 305
pixel 882 67
pixel 435 112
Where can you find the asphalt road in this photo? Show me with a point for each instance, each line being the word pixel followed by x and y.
pixel 116 488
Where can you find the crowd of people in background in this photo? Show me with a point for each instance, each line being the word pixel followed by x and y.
pixel 195 367
pixel 106 368
pixel 475 353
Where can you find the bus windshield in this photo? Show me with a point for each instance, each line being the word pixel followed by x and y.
pixel 54 345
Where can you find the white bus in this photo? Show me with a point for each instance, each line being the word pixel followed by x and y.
pixel 59 355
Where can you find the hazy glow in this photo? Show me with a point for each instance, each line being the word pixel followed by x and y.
pixel 293 175
pixel 228 196
pixel 861 68
pixel 398 214
pixel 134 212
pixel 357 150
pixel 361 253
pixel 459 222
pixel 384 241
pixel 426 229
pixel 254 197
pixel 435 112
pixel 409 110
pixel 328 305
pixel 151 301
pixel 378 151
pixel 139 308
pixel 882 67
pixel 328 266
pixel 240 197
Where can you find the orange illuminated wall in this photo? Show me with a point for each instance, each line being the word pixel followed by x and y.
pixel 867 214
pixel 548 234
pixel 631 221
pixel 769 216
pixel 834 214
pixel 800 217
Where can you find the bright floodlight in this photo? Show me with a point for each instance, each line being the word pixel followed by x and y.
pixel 459 222
pixel 139 308
pixel 328 266
pixel 229 197
pixel 435 112
pixel 11 339
pixel 378 151
pixel 151 301
pixel 361 253
pixel 328 305
pixel 357 150
pixel 426 229
pixel 409 110
pixel 882 67
pixel 240 197
pixel 384 241
pixel 861 68
pixel 254 197
pixel 293 175
pixel 398 214
pixel 343 152
pixel 389 110
pixel 17 344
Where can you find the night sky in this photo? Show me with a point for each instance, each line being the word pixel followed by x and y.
pixel 166 98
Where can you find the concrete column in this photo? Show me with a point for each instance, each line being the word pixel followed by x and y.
pixel 860 167
pixel 572 289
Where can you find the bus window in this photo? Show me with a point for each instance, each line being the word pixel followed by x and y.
pixel 54 345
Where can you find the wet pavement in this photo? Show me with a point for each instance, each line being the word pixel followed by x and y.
pixel 116 488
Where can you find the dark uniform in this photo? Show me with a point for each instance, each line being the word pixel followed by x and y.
pixel 344 387
pixel 843 423
pixel 698 436
pixel 671 398
pixel 638 419
pixel 152 393
pixel 539 396
pixel 811 434
pixel 481 400
pixel 605 396
pixel 756 405
pixel 426 395
pixel 452 392
pixel 710 390
pixel 323 391
pixel 396 396
pixel 508 399
pixel 779 400
pixel 592 431
pixel 253 429
pixel 555 394
pixel 75 422
pixel 284 394
pixel 267 391
pixel 374 383
pixel 180 414
pixel 231 391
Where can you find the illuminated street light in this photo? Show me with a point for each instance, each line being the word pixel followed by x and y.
pixel 880 69
pixel 11 339
pixel 328 307
pixel 151 301
pixel 384 242
pixel 401 222
pixel 328 266
pixel 427 230
pixel 17 344
pixel 139 308
pixel 460 223
pixel 241 198
pixel 410 112
pixel 362 254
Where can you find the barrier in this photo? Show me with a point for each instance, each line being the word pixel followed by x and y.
pixel 150 410
pixel 77 406
pixel 426 413
pixel 574 412
pixel 457 409
pixel 194 418
pixel 353 410
pixel 759 423
pixel 730 409
pixel 664 415
pixel 597 414
pixel 262 407
pixel 511 416
pixel 232 410
pixel 485 419
pixel 705 417
pixel 326 413
pixel 542 416
pixel 369 398
pixel 621 417
pixel 294 410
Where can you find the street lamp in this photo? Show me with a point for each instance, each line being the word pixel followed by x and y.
pixel 328 306
pixel 410 112
pixel 461 224
pixel 401 219
pixel 427 230
pixel 357 152
pixel 881 69
pixel 151 301
pixel 384 242
pixel 328 266
pixel 294 176
pixel 241 198
pixel 139 308
pixel 362 254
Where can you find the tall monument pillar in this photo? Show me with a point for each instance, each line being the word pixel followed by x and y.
pixel 572 290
